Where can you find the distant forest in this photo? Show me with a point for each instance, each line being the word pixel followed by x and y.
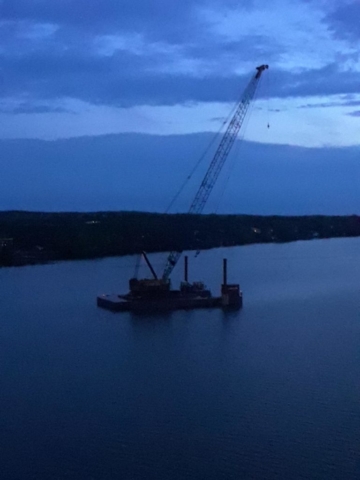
pixel 34 237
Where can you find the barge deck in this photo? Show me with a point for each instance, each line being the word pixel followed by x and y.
pixel 148 295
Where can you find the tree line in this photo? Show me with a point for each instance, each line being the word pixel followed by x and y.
pixel 34 237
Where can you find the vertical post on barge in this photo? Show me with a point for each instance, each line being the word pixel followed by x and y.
pixel 186 269
pixel 225 271
pixel 231 295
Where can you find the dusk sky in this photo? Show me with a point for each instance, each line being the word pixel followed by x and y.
pixel 172 70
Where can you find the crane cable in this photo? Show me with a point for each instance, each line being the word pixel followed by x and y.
pixel 235 155
pixel 202 157
pixel 240 142
pixel 219 159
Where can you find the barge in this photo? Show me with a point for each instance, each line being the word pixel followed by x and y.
pixel 149 295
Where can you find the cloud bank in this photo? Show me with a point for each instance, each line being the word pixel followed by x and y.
pixel 155 53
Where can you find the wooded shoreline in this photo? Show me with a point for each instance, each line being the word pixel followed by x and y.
pixel 39 237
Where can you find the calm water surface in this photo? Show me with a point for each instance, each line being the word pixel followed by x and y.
pixel 270 392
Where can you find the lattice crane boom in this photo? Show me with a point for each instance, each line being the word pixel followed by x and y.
pixel 219 159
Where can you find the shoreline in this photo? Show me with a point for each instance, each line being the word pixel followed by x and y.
pixel 32 238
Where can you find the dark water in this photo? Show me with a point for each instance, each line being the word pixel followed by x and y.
pixel 270 392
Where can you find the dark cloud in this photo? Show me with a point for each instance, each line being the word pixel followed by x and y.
pixel 123 78
pixel 99 15
pixel 356 113
pixel 329 80
pixel 30 108
pixel 66 61
pixel 126 79
pixel 226 54
pixel 173 20
pixel 218 119
pixel 344 20
pixel 341 103
pixel 351 103
pixel 105 81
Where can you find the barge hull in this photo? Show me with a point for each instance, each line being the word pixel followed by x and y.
pixel 118 303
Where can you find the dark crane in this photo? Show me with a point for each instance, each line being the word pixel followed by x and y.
pixel 219 159
pixel 147 294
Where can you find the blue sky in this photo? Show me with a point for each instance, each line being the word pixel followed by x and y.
pixel 86 68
